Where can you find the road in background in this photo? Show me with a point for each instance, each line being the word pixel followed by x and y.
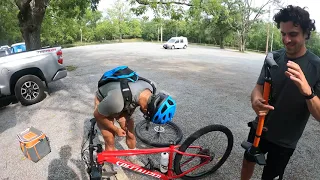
pixel 211 86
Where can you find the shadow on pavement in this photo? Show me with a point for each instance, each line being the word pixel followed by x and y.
pixel 59 169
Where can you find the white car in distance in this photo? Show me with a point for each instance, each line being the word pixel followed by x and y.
pixel 176 43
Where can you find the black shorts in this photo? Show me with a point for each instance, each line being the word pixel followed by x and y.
pixel 277 157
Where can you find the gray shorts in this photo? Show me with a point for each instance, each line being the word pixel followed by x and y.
pixel 112 105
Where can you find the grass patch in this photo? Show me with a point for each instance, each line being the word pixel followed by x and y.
pixel 133 40
pixel 71 68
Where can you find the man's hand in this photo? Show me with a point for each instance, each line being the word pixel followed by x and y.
pixel 295 73
pixel 120 132
pixel 260 108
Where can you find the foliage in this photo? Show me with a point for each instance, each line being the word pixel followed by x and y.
pixel 314 43
pixel 120 16
pixel 149 30
pixel 9 25
pixel 216 22
pixel 31 13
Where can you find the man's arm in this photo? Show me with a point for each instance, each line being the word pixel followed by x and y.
pixel 314 106
pixel 295 73
pixel 257 92
pixel 257 101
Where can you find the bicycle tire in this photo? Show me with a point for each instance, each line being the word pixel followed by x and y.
pixel 194 137
pixel 95 170
pixel 155 144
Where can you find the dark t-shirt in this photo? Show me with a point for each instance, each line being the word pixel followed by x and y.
pixel 287 121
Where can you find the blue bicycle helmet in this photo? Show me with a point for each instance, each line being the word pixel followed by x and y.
pixel 161 108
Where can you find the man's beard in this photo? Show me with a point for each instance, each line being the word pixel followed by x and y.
pixel 293 50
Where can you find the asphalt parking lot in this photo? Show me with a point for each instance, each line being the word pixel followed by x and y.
pixel 211 86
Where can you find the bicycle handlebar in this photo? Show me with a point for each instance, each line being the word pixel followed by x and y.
pixel 270 63
pixel 269 60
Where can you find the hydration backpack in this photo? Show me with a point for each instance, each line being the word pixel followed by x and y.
pixel 124 75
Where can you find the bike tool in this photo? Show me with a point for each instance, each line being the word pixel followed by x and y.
pixel 253 149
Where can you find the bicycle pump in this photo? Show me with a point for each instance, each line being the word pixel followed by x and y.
pixel 253 149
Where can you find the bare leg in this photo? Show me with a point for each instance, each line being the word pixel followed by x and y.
pixel 131 138
pixel 127 124
pixel 247 169
pixel 106 128
pixel 108 136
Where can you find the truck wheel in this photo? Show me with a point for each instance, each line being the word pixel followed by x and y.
pixel 29 90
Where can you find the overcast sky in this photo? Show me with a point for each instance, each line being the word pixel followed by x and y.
pixel 309 4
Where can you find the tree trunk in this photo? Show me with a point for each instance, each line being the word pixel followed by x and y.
pixel 30 17
pixel 120 33
pixel 32 37
pixel 120 37
pixel 242 43
pixel 221 42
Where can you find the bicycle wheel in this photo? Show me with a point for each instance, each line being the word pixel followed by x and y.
pixel 158 133
pixel 94 170
pixel 178 163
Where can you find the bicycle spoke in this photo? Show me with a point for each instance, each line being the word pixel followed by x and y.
pixel 213 143
pixel 158 135
pixel 169 134
pixel 161 137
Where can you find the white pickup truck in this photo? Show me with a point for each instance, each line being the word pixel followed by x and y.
pixel 24 76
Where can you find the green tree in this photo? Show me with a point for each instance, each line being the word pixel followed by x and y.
pixel 135 30
pixel 276 39
pixel 105 30
pixel 58 28
pixel 314 43
pixel 9 30
pixel 32 12
pixel 211 7
pixel 247 11
pixel 88 23
pixel 149 30
pixel 225 16
pixel 257 37
pixel 120 14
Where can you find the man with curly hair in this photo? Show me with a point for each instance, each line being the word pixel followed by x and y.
pixel 296 87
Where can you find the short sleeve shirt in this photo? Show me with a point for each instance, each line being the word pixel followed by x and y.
pixel 113 103
pixel 287 121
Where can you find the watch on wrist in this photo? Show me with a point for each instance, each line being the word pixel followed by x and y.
pixel 311 95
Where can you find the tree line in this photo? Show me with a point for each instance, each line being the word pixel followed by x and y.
pixel 225 23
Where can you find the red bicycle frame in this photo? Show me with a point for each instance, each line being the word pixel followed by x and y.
pixel 111 157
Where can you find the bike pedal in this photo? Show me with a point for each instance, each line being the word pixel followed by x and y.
pixel 260 159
